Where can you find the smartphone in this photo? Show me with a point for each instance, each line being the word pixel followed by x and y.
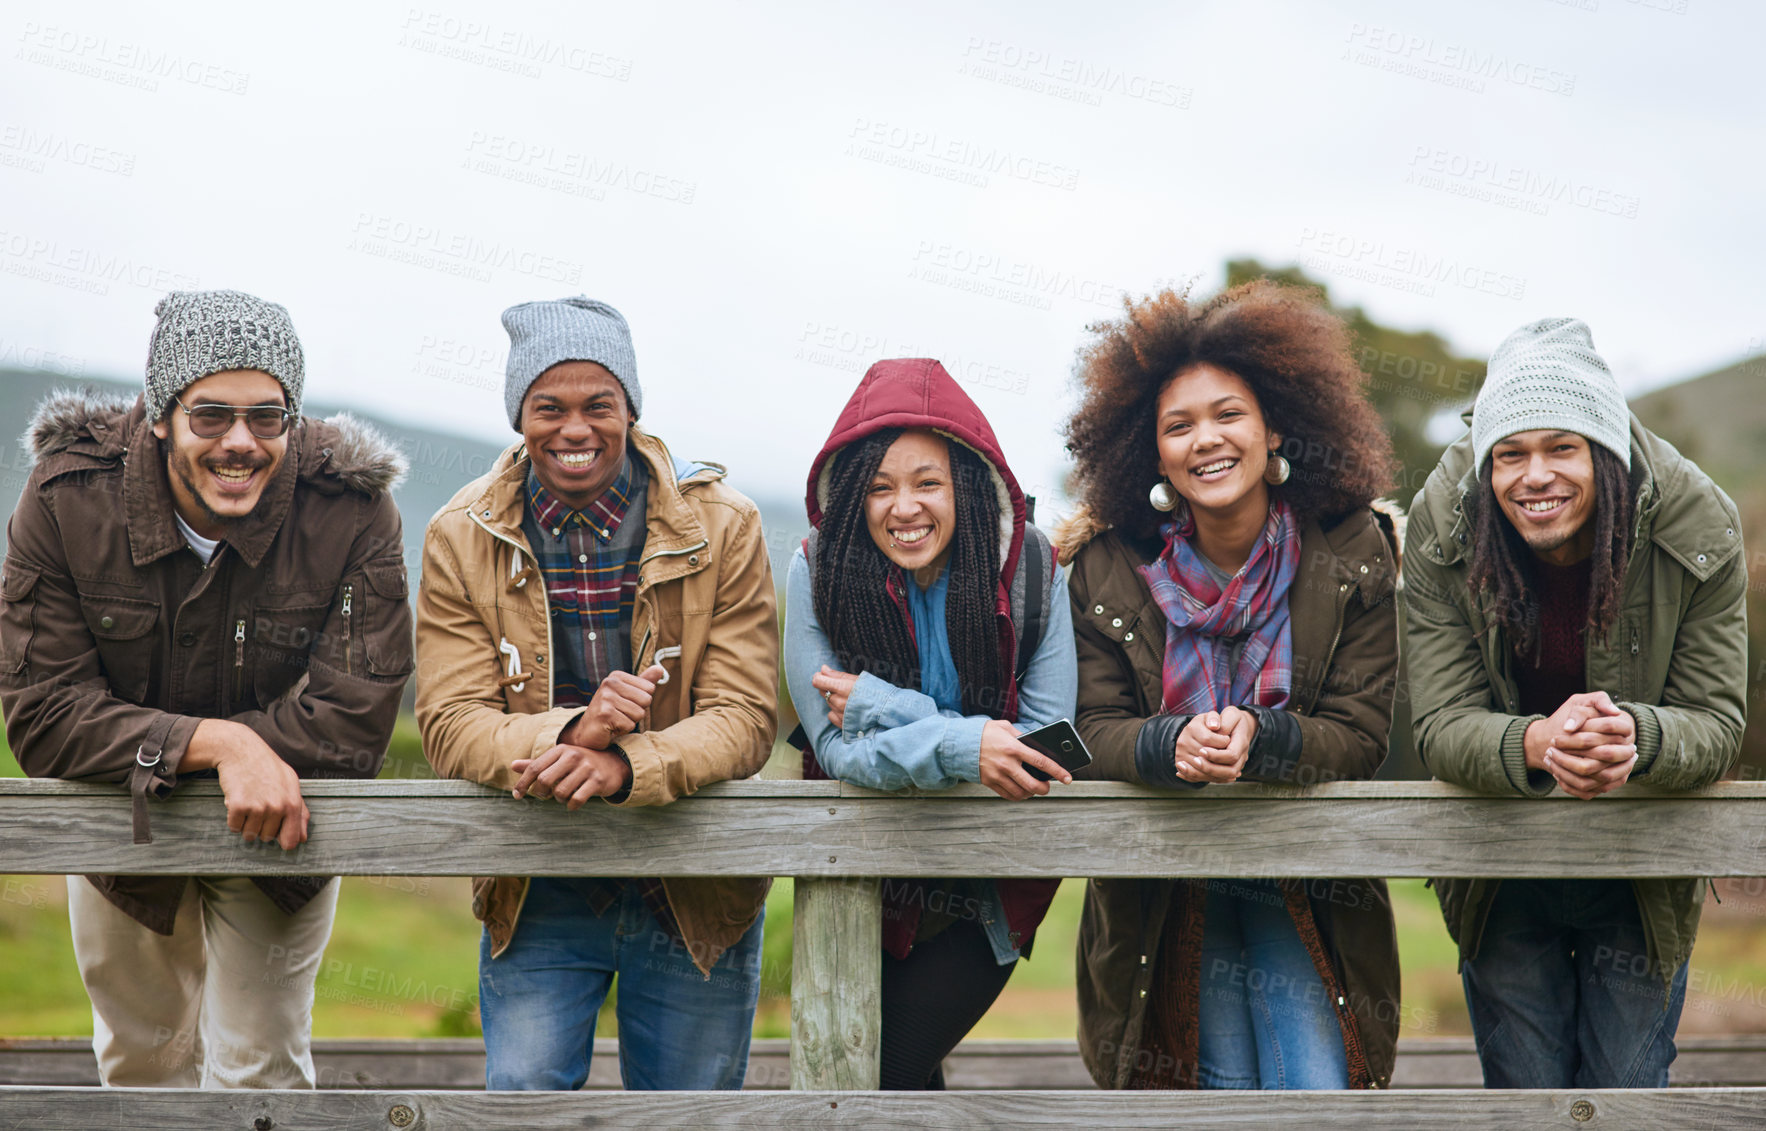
pixel 1061 743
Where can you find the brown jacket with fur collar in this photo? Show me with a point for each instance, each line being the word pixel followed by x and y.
pixel 116 640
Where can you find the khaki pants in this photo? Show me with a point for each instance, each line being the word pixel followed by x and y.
pixel 225 1001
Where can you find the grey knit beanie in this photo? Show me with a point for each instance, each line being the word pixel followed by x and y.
pixel 1547 375
pixel 542 334
pixel 204 332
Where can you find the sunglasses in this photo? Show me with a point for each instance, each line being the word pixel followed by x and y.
pixel 208 421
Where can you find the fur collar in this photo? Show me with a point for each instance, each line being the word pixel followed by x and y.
pixel 349 451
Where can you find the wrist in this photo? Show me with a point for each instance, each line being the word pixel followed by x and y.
pixel 586 732
pixel 211 745
pixel 1534 743
pixel 624 792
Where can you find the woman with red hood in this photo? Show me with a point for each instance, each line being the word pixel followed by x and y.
pixel 927 625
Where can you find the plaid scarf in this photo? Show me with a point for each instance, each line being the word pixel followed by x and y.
pixel 1203 620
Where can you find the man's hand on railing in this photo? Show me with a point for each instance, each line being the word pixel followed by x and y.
pixel 1589 745
pixel 572 775
pixel 262 791
pixel 1213 745
pixel 618 706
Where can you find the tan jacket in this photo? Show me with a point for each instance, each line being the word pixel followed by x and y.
pixel 705 610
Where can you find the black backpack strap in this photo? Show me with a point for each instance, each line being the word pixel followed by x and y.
pixel 1033 565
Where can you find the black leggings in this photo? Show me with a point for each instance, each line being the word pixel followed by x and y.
pixel 931 999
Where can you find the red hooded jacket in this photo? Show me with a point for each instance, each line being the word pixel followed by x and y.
pixel 918 393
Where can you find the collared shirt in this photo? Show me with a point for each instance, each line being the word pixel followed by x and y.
pixel 589 560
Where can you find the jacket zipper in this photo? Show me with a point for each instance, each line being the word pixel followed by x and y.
pixel 239 660
pixel 349 592
pixel 1331 652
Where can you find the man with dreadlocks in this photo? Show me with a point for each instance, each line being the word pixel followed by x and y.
pixel 1574 595
pixel 923 619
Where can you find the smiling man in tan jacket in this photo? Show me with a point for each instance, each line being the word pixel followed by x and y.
pixel 597 619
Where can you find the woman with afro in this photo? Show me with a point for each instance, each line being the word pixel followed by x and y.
pixel 1232 595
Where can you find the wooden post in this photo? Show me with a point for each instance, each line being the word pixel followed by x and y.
pixel 836 984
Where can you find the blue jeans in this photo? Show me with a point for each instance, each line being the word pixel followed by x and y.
pixel 677 1028
pixel 1561 991
pixel 1265 1020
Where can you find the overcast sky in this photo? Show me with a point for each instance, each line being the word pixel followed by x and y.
pixel 778 196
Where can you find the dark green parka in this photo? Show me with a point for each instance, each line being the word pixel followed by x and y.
pixel 1676 659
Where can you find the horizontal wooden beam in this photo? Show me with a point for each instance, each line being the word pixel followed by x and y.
pixel 384 1064
pixel 825 829
pixel 66 1109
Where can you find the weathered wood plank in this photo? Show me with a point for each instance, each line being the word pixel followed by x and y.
pixel 454 828
pixel 458 1062
pixel 836 975
pixel 57 1109
pixel 784 787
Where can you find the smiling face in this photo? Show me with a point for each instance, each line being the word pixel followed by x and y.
pixel 1544 483
pixel 1213 443
pixel 911 503
pixel 219 481
pixel 575 420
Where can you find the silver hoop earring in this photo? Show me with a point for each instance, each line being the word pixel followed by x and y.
pixel 1278 470
pixel 1162 496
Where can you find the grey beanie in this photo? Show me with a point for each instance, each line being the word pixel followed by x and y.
pixel 204 332
pixel 1547 375
pixel 542 334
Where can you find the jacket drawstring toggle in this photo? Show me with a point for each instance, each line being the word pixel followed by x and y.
pixel 516 679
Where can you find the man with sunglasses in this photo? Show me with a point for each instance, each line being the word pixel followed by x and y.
pixel 203 581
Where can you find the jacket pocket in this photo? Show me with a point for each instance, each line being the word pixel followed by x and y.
pixel 17 617
pixel 386 635
pixel 123 628
pixel 283 638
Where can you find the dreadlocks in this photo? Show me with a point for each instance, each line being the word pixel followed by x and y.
pixel 1502 566
pixel 868 629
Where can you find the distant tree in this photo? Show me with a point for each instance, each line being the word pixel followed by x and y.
pixel 1412 376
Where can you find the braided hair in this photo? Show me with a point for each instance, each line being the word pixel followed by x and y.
pixel 868 630
pixel 1502 567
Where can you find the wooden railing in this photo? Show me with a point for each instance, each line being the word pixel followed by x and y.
pixel 838 841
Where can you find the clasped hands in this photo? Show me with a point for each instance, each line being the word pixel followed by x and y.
pixel 1589 745
pixel 581 765
pixel 1213 745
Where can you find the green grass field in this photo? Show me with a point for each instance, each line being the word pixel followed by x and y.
pixel 403 958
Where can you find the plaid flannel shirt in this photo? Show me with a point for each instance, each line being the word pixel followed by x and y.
pixel 589 560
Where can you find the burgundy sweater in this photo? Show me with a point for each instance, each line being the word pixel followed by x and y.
pixel 1563 648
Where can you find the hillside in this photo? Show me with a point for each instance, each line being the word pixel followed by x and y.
pixel 441 462
pixel 1719 421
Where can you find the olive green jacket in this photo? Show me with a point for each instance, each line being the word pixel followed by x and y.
pixel 1676 660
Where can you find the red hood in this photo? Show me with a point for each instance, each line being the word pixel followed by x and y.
pixel 916 392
